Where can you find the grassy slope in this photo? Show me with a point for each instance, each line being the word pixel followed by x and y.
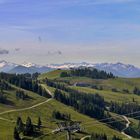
pixel 18 103
pixel 51 75
pixel 119 83
pixel 109 95
pixel 45 111
pixel 6 130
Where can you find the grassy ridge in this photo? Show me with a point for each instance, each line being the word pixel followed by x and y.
pixel 51 75
pixel 44 111
pixel 119 83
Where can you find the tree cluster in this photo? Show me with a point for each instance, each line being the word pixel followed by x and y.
pixel 25 82
pixel 92 73
pixel 125 108
pixel 89 104
pixel 4 85
pixel 20 94
pixel 61 116
pixel 27 129
pixel 3 98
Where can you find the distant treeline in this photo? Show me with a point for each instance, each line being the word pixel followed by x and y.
pixel 88 72
pixel 25 82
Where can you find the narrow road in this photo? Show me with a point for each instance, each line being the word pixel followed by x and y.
pixel 24 109
pixel 85 137
pixel 127 126
pixel 50 93
pixel 28 108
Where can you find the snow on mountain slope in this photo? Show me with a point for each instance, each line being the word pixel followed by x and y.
pixel 29 64
pixel 6 66
pixel 118 69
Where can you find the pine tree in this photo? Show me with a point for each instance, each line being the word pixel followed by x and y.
pixel 28 127
pixel 19 125
pixel 16 134
pixel 39 123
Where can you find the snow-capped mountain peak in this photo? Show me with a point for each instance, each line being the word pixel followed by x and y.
pixel 118 69
pixel 6 66
pixel 29 64
pixel 2 63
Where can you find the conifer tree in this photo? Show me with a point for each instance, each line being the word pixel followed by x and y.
pixel 39 123
pixel 28 127
pixel 19 125
pixel 16 134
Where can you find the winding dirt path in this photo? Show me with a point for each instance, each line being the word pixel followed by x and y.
pixel 85 137
pixel 127 126
pixel 24 109
pixel 27 108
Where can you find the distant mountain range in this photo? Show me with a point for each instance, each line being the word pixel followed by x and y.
pixel 118 69
pixel 23 68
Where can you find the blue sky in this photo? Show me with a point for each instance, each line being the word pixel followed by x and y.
pixel 57 31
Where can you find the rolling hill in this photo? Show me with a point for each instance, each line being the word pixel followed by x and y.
pixel 36 106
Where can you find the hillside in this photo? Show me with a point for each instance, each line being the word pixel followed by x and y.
pixel 117 90
pixel 36 106
pixel 45 110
